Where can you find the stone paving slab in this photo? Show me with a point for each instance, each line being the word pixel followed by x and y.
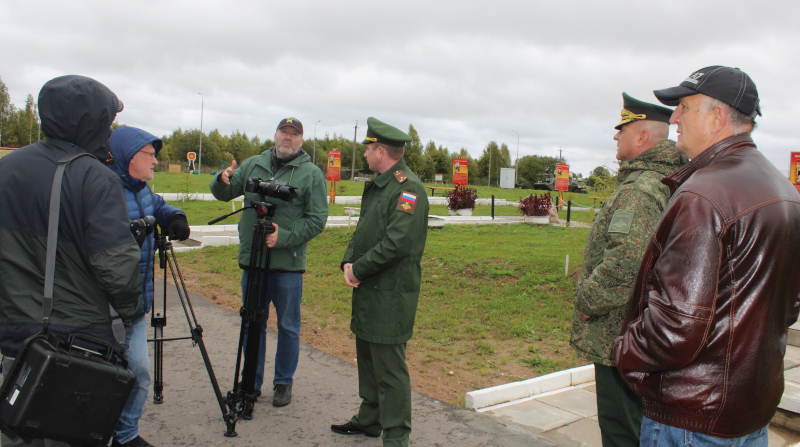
pixel 535 416
pixel 575 400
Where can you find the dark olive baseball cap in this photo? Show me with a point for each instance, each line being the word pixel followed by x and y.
pixel 729 85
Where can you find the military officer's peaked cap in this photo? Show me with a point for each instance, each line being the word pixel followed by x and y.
pixel 635 110
pixel 380 132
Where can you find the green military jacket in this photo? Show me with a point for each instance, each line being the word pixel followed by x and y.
pixel 298 221
pixel 614 251
pixel 386 250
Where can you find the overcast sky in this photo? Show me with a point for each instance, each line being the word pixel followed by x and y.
pixel 463 73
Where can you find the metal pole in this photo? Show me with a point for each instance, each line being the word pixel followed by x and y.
pixel 200 156
pixel 516 164
pixel 314 158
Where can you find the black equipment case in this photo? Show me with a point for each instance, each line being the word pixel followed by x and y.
pixel 65 391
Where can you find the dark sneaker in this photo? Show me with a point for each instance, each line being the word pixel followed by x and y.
pixel 283 395
pixel 135 442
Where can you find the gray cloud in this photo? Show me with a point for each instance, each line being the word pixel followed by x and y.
pixel 463 73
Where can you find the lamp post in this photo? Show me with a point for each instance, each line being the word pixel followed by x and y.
pixel 315 143
pixel 200 156
pixel 517 163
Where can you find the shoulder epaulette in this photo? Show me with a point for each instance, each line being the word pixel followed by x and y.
pixel 398 174
pixel 632 177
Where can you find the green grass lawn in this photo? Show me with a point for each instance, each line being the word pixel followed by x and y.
pixel 185 183
pixel 495 304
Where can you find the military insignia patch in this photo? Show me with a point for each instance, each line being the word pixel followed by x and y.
pixel 621 222
pixel 407 203
pixel 398 174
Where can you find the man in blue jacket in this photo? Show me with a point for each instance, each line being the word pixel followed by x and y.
pixel 135 152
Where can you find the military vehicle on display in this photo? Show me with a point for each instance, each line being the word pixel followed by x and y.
pixel 548 183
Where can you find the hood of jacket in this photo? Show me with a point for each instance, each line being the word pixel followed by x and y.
pixel 79 110
pixel 662 158
pixel 125 142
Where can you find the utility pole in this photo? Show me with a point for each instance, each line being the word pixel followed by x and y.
pixel 355 137
pixel 200 157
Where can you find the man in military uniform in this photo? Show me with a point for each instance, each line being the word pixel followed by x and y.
pixel 613 254
pixel 382 265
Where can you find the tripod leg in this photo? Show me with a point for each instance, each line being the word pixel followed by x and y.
pixel 158 365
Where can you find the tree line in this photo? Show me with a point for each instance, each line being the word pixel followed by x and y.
pixel 20 127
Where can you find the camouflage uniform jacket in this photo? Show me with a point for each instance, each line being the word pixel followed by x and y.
pixel 614 251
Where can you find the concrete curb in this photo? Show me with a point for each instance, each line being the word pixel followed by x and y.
pixel 478 399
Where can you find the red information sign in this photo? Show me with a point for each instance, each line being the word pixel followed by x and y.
pixel 562 177
pixel 334 165
pixel 794 170
pixel 460 171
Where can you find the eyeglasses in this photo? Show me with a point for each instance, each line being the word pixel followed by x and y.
pixel 151 154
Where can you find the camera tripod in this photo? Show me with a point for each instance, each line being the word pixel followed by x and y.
pixel 166 257
pixel 242 398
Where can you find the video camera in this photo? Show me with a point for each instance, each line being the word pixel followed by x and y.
pixel 283 192
pixel 142 227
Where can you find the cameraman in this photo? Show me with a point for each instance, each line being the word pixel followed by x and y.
pixel 97 255
pixel 135 152
pixel 295 224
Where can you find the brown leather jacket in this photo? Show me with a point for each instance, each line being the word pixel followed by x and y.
pixel 705 332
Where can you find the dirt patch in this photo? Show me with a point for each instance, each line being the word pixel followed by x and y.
pixel 445 372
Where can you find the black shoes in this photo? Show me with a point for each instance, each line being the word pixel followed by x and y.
pixel 135 442
pixel 283 395
pixel 350 429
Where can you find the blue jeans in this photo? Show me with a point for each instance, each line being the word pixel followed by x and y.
pixel 284 291
pixel 655 434
pixel 139 362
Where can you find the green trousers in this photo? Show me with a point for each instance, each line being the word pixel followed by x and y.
pixel 385 390
pixel 619 409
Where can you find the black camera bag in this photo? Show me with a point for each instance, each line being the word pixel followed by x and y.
pixel 70 390
pixel 63 390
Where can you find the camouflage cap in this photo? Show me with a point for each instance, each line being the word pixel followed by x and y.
pixel 380 132
pixel 635 110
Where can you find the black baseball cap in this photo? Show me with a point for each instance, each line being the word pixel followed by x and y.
pixel 729 85
pixel 292 122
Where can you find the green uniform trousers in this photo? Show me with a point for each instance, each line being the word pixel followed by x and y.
pixel 619 408
pixel 385 390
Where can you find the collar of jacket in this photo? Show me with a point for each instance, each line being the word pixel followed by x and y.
pixel 382 180
pixel 675 180
pixel 130 183
pixel 662 158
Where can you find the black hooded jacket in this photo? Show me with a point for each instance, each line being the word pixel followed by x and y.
pixel 97 257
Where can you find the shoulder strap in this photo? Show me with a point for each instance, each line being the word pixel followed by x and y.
pixel 52 245
pixel 632 177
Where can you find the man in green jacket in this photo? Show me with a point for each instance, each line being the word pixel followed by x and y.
pixel 296 222
pixel 382 265
pixel 613 254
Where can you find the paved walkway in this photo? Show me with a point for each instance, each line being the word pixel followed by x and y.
pixel 325 392
pixel 562 406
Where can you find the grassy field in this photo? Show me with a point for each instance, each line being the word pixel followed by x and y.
pixel 495 304
pixel 185 183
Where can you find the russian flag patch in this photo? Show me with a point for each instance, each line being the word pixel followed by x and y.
pixel 407 203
